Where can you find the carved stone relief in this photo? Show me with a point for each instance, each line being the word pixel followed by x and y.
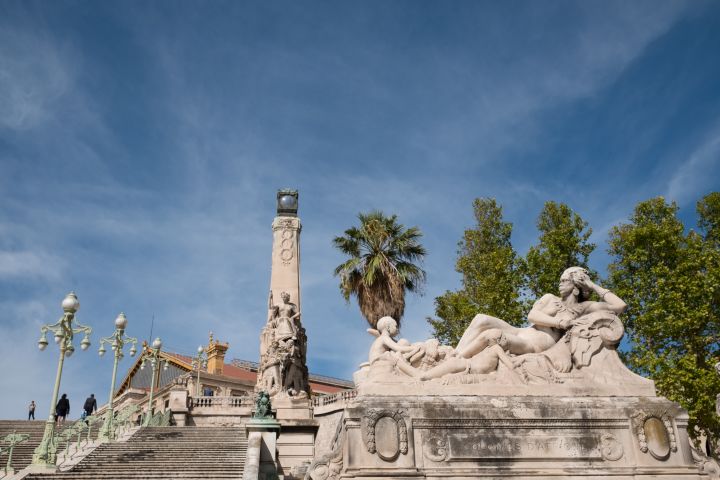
pixel 655 434
pixel 443 446
pixel 329 466
pixel 385 433
pixel 610 447
pixel 490 346
pixel 283 351
pixel 288 239
pixel 287 245
pixel 436 449
pixel 707 465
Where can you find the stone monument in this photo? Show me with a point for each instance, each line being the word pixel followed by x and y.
pixel 282 374
pixel 283 343
pixel 551 400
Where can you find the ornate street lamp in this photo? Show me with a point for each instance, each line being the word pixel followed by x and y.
pixel 199 361
pixel 116 341
pixel 152 355
pixel 64 331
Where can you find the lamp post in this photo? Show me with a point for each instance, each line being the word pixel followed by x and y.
pixel 116 341
pixel 199 361
pixel 153 354
pixel 64 331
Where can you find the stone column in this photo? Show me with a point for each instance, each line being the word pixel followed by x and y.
pixel 285 273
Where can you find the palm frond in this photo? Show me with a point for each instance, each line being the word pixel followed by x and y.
pixel 382 264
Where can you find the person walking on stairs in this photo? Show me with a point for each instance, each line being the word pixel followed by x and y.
pixel 31 410
pixel 90 405
pixel 62 409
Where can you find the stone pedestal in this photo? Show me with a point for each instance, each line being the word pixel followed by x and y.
pixel 296 447
pixel 179 405
pixel 463 437
pixel 289 408
pixel 296 444
pixel 262 449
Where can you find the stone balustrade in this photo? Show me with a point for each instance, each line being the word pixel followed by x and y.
pixel 221 402
pixel 226 411
pixel 332 402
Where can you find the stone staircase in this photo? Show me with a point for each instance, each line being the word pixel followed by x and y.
pixel 165 453
pixel 22 455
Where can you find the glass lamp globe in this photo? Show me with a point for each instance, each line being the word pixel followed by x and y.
pixel 157 343
pixel 70 303
pixel 121 321
pixel 287 201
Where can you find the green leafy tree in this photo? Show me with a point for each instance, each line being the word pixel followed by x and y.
pixel 491 277
pixel 709 218
pixel 671 283
pixel 563 243
pixel 382 265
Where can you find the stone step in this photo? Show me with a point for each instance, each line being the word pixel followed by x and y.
pixel 164 453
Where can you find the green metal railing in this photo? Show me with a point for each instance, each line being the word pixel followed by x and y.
pixel 12 439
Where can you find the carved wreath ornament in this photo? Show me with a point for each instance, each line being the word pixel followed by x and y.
pixel 654 432
pixel 610 448
pixel 387 448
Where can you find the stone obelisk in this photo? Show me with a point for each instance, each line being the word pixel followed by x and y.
pixel 283 343
pixel 285 273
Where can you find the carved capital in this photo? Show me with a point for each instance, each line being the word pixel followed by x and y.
pixel 285 223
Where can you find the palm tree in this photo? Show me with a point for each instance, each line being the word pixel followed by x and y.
pixel 382 265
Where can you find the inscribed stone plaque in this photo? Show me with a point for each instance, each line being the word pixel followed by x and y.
pixel 657 438
pixel 491 444
pixel 387 440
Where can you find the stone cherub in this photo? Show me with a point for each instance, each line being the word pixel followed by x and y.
pixel 384 343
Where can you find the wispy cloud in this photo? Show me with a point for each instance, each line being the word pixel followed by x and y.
pixel 29 265
pixel 33 76
pixel 699 172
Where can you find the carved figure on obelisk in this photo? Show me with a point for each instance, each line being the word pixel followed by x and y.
pixel 284 317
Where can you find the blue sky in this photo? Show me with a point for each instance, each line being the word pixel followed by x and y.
pixel 142 143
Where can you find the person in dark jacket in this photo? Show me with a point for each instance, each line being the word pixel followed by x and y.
pixel 62 409
pixel 90 405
